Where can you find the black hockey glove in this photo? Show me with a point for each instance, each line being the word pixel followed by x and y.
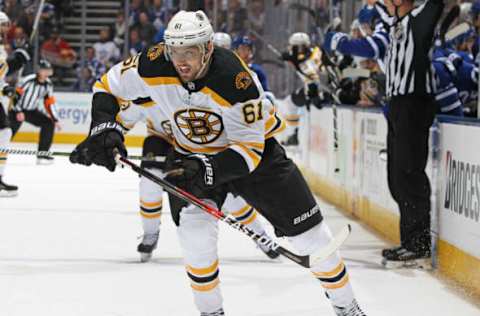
pixel 194 173
pixel 100 147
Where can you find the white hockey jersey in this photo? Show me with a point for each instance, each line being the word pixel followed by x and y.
pixel 226 109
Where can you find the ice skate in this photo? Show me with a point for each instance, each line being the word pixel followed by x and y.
pixel 219 312
pixel 404 258
pixel 350 310
pixel 7 190
pixel 146 247
pixel 45 160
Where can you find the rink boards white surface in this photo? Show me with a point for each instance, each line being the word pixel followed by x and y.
pixel 68 247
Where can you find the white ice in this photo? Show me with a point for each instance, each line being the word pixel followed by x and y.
pixel 68 247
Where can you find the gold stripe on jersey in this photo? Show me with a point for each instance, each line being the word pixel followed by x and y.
pixel 206 287
pixel 278 129
pixel 251 158
pixel 148 104
pixel 157 81
pixel 203 271
pixel 104 81
pixel 215 96
pixel 3 69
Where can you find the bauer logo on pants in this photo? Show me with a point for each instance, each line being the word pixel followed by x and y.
pixel 307 215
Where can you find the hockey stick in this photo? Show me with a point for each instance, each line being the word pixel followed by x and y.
pixel 304 261
pixel 448 21
pixel 36 21
pixel 28 152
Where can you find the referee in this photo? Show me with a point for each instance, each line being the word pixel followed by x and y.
pixel 36 106
pixel 410 85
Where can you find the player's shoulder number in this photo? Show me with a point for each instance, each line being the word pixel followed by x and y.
pixel 129 63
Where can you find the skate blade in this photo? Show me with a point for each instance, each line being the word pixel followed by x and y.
pixel 422 264
pixel 145 257
pixel 44 162
pixel 8 193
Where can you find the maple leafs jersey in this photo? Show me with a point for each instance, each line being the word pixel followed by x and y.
pixel 224 113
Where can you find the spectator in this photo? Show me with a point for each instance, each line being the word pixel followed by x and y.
pixel 48 19
pixel 85 80
pixel 106 50
pixel 20 38
pixel 92 62
pixel 236 18
pixel 256 15
pixel 145 28
pixel 159 35
pixel 136 6
pixel 13 9
pixel 120 29
pixel 136 45
pixel 58 52
pixel 159 14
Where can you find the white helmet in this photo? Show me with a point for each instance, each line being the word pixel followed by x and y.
pixel 222 40
pixel 299 39
pixel 4 18
pixel 188 28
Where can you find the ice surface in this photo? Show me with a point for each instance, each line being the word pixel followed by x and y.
pixel 68 248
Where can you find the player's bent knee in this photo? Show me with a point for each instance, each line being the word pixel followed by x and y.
pixel 313 239
pixel 198 233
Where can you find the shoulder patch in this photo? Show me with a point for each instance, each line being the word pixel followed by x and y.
pixel 243 80
pixel 155 51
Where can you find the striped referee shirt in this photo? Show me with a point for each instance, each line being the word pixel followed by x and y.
pixel 407 60
pixel 37 97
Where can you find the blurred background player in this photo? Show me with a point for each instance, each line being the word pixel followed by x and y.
pixel 37 106
pixel 156 147
pixel 307 60
pixel 8 65
pixel 221 39
pixel 243 46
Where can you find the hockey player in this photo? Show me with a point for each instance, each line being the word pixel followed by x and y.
pixel 243 46
pixel 8 65
pixel 156 148
pixel 221 39
pixel 224 131
pixel 307 60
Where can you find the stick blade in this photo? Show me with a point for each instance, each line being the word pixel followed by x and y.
pixel 336 242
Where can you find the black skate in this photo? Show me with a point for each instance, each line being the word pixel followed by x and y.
pixel 7 190
pixel 219 312
pixel 390 251
pixel 404 258
pixel 292 140
pixel 272 254
pixel 147 246
pixel 351 310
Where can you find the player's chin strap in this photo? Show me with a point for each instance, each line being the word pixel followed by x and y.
pixel 305 261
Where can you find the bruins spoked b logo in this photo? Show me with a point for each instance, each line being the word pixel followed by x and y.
pixel 199 126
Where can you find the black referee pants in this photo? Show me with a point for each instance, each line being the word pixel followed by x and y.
pixel 37 118
pixel 409 121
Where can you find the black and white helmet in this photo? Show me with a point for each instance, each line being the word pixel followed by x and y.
pixel 188 28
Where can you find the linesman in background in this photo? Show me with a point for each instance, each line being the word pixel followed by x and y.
pixel 410 87
pixel 36 106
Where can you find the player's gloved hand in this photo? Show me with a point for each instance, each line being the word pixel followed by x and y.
pixel 101 146
pixel 299 98
pixel 194 173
